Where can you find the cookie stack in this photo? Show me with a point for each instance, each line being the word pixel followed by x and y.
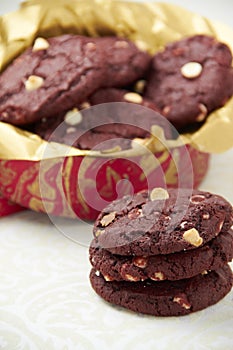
pixel 163 253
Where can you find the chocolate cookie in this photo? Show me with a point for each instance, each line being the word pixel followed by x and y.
pixel 213 255
pixel 58 73
pixel 166 298
pixel 129 121
pixel 190 78
pixel 115 121
pixel 162 222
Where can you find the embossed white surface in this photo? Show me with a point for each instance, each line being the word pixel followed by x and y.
pixel 46 302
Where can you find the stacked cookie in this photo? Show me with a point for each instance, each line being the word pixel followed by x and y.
pixel 163 253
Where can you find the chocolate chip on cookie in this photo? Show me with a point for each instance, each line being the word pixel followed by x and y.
pixel 168 223
pixel 175 266
pixel 57 73
pixel 190 78
pixel 165 298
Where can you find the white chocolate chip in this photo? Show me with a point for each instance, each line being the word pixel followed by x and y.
pixel 98 233
pixel 158 276
pixel 121 44
pixel 197 198
pixel 133 97
pixel 108 278
pixel 166 110
pixel 206 216
pixel 131 278
pixel 140 86
pixel 73 117
pixel 33 83
pixel 91 46
pixel 107 219
pixel 191 70
pixel 205 272
pixel 182 302
pixel 140 262
pixel 220 225
pixel 70 130
pixel 85 105
pixel 97 273
pixel 40 44
pixel 135 213
pixel 158 194
pixel 192 236
pixel 203 112
pixel 183 224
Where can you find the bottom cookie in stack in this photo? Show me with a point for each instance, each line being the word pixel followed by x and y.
pixel 172 266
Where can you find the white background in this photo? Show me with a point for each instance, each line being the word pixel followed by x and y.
pixel 45 298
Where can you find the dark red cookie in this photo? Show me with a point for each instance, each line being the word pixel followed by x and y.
pixel 115 121
pixel 213 255
pixel 162 222
pixel 191 78
pixel 48 80
pixel 139 121
pixel 166 298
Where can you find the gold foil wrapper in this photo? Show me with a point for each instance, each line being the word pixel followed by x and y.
pixel 150 25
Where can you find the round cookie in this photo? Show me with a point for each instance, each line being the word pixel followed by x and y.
pixel 190 78
pixel 166 298
pixel 213 255
pixel 76 136
pixel 128 121
pixel 124 122
pixel 54 74
pixel 162 222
